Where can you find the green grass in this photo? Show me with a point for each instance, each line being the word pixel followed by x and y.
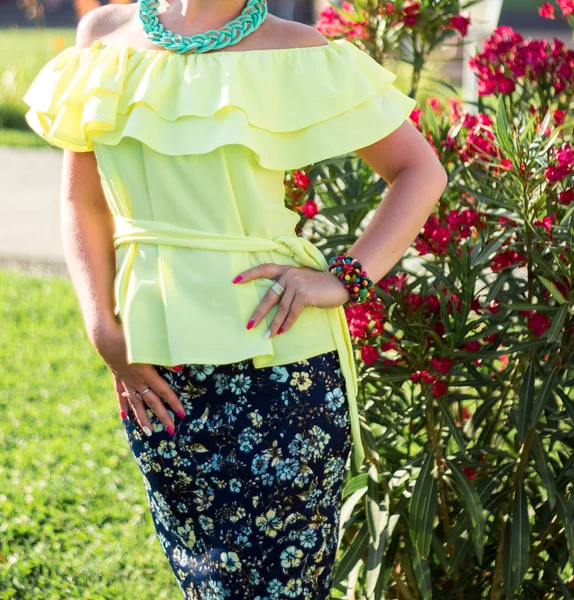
pixel 22 53
pixel 74 519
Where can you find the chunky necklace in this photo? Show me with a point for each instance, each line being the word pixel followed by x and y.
pixel 251 17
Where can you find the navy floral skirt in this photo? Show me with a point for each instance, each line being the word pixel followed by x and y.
pixel 246 496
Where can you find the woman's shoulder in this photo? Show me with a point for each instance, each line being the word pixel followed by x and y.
pixel 103 21
pixel 118 24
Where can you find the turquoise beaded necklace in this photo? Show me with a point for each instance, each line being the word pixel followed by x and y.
pixel 251 17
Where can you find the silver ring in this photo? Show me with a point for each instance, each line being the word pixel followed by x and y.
pixel 142 393
pixel 278 288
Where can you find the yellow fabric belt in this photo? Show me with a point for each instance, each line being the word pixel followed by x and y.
pixel 134 231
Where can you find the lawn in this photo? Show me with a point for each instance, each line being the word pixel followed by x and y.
pixel 74 520
pixel 22 54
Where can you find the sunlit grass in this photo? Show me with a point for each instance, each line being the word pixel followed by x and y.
pixel 74 520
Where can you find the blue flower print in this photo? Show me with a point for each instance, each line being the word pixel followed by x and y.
pixel 245 497
pixel 201 372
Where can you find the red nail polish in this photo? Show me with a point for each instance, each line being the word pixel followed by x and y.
pixel 178 368
pixel 123 415
pixel 180 414
pixel 280 330
pixel 238 278
pixel 170 430
pixel 250 324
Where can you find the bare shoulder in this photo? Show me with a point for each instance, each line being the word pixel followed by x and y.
pixel 101 22
pixel 290 34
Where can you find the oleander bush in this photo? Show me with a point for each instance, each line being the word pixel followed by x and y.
pixel 466 355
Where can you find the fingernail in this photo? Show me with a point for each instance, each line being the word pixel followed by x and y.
pixel 123 415
pixel 180 414
pixel 280 330
pixel 147 430
pixel 170 430
pixel 238 278
pixel 178 368
pixel 250 324
pixel 267 333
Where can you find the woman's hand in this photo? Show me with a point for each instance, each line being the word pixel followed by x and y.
pixel 129 378
pixel 303 287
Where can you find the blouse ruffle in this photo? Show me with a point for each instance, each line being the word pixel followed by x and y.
pixel 292 107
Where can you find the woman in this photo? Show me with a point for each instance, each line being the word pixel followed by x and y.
pixel 225 332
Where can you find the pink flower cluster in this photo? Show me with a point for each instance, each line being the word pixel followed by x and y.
pixel 346 23
pixel 436 235
pixel 547 9
pixel 351 20
pixel 507 58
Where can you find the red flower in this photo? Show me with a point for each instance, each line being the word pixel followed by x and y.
pixel 507 258
pixel 425 376
pixel 302 180
pixel 369 355
pixel 567 7
pixel 506 164
pixel 546 223
pixel 538 323
pixel 472 346
pixel 442 365
pixel 559 116
pixel 566 197
pixel 439 388
pixel 469 472
pixel 309 209
pixel 460 23
pixel 466 414
pixel 546 11
pixel 555 174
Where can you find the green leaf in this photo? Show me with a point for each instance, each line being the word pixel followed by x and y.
pixel 353 554
pixel 356 483
pixel 556 293
pixel 519 537
pixel 372 503
pixel 421 569
pixel 564 507
pixel 423 506
pixel 526 396
pixel 543 396
pixel 502 128
pixel 543 468
pixel 455 431
pixel 557 324
pixel 468 497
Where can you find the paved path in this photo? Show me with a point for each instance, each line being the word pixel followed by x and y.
pixel 29 209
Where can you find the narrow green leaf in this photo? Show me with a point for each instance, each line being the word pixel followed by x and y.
pixel 421 570
pixel 502 128
pixel 356 483
pixel 353 554
pixel 543 468
pixel 372 502
pixel 526 396
pixel 423 506
pixel 543 396
pixel 564 508
pixel 520 536
pixel 556 293
pixel 455 431
pixel 468 497
pixel 557 324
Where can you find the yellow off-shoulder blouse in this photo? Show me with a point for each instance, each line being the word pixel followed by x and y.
pixel 192 151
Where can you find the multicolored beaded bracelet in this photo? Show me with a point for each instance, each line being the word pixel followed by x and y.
pixel 353 276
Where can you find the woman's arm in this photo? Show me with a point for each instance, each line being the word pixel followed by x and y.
pixel 87 237
pixel 406 161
